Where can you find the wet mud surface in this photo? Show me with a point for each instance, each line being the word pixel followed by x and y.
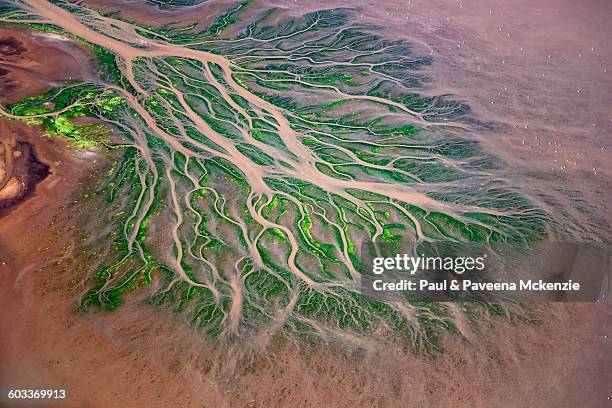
pixel 20 171
pixel 33 62
pixel 145 356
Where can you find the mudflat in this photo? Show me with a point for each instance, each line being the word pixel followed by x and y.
pixel 31 62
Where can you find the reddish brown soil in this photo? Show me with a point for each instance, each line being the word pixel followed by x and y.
pixel 31 63
pixel 20 169
pixel 44 342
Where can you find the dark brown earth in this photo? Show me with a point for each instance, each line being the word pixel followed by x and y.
pixel 20 169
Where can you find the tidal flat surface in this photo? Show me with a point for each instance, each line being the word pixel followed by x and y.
pixel 231 159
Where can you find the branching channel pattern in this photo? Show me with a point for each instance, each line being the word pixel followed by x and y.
pixel 262 151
